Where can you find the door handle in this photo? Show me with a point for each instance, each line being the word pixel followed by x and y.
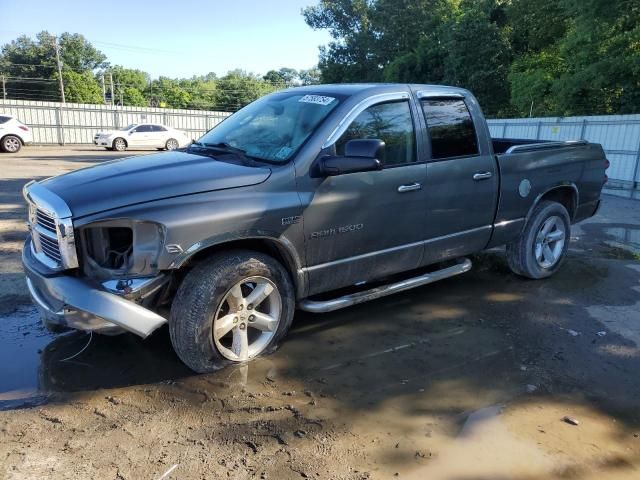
pixel 482 176
pixel 409 188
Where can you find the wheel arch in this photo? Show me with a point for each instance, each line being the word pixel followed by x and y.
pixel 565 194
pixel 13 135
pixel 280 249
pixel 123 139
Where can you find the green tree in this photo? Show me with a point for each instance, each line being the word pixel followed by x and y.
pixel 129 84
pixel 238 88
pixel 77 54
pixel 478 57
pixel 168 92
pixel 31 64
pixel 310 76
pixel 81 87
pixel 351 55
pixel 285 77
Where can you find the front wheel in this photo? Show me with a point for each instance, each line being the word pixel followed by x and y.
pixel 11 144
pixel 119 144
pixel 542 246
pixel 230 309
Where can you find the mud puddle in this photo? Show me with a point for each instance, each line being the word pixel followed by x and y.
pixel 23 338
pixel 36 364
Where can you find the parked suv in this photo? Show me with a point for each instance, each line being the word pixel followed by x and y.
pixel 13 134
pixel 143 135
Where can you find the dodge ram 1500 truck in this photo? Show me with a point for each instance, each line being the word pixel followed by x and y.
pixel 315 198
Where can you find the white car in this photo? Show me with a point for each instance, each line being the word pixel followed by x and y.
pixel 142 135
pixel 13 134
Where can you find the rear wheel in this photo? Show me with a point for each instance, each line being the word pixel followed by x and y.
pixel 542 246
pixel 120 144
pixel 231 309
pixel 11 144
pixel 172 144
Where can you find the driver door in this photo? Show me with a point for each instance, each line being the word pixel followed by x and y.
pixel 362 226
pixel 139 136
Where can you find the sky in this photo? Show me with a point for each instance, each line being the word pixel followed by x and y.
pixel 177 38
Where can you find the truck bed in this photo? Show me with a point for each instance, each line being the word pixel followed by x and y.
pixel 512 145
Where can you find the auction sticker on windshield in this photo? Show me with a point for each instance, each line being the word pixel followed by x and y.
pixel 317 99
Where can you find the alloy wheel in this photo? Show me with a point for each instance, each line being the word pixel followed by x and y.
pixel 12 144
pixel 549 243
pixel 247 319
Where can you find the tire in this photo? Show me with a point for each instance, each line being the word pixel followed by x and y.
pixel 119 144
pixel 172 144
pixel 11 144
pixel 542 246
pixel 207 325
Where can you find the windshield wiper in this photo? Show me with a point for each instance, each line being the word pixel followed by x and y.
pixel 228 148
pixel 225 147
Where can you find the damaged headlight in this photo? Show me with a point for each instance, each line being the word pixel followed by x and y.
pixel 121 248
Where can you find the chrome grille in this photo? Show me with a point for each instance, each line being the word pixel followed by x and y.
pixel 45 221
pixel 50 248
pixel 51 225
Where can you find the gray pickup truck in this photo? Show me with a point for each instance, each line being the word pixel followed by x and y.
pixel 315 198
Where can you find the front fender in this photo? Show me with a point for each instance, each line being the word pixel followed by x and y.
pixel 262 240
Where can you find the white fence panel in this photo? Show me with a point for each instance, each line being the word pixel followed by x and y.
pixel 76 123
pixel 618 134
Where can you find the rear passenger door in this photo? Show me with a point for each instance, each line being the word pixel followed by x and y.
pixel 462 180
pixel 158 136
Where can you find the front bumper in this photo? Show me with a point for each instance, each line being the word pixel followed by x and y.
pixel 67 301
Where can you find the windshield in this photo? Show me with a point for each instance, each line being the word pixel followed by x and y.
pixel 128 127
pixel 272 128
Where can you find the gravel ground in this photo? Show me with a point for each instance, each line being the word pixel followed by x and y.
pixel 467 379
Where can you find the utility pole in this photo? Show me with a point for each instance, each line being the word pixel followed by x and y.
pixel 59 69
pixel 104 91
pixel 4 89
pixel 113 93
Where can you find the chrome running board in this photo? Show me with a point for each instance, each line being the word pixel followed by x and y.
pixel 319 306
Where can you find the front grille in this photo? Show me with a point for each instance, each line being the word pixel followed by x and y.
pixel 51 248
pixel 52 235
pixel 45 221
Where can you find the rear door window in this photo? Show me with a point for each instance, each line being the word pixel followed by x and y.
pixel 143 129
pixel 450 127
pixel 4 119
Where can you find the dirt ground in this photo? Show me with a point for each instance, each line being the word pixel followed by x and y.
pixel 466 379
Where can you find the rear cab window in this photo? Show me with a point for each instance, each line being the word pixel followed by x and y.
pixel 450 127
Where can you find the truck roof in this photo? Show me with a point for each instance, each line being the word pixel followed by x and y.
pixel 354 88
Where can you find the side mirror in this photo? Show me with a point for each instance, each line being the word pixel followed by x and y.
pixel 368 147
pixel 359 156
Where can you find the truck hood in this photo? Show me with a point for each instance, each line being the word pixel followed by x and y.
pixel 145 178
